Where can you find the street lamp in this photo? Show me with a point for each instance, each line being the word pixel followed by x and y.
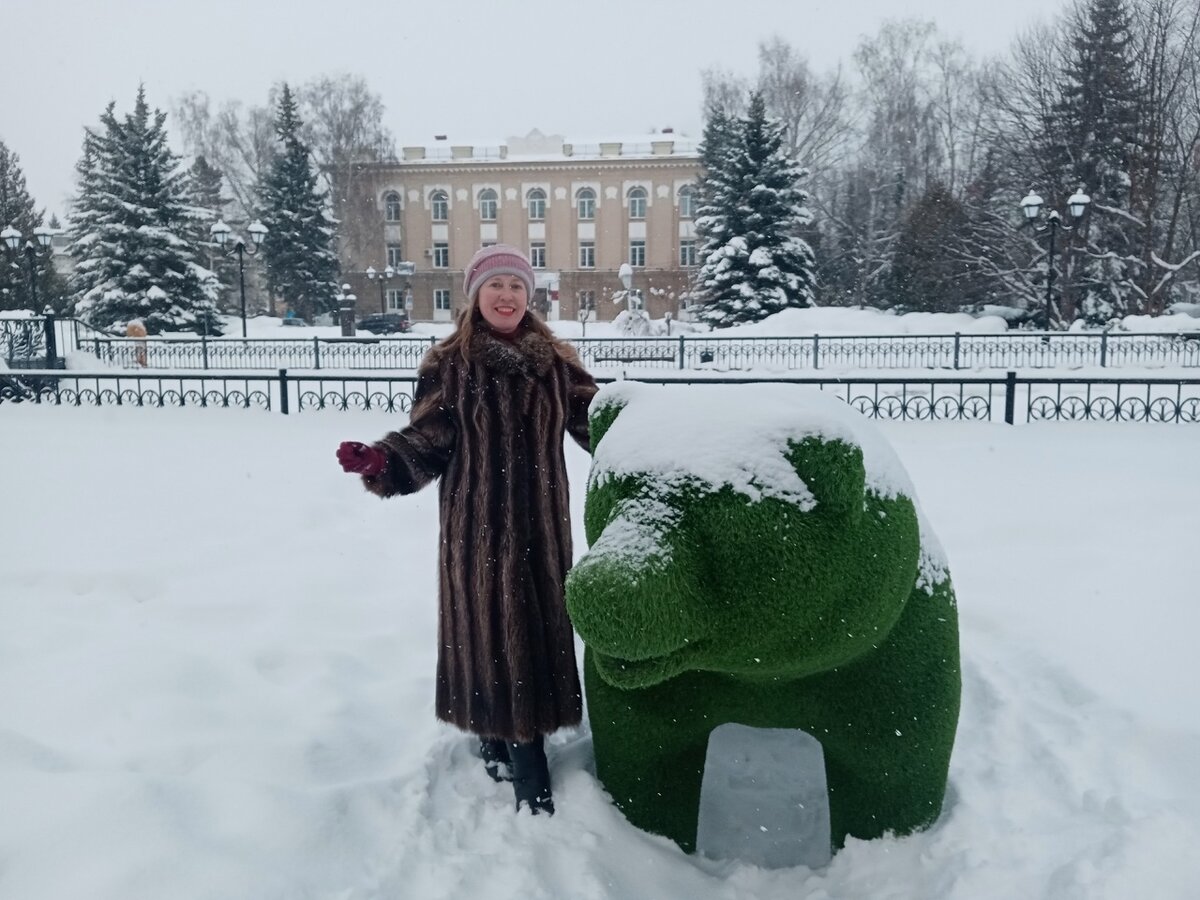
pixel 1031 206
pixel 220 233
pixel 384 276
pixel 346 303
pixel 12 240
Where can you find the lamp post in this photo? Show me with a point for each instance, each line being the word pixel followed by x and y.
pixel 44 237
pixel 383 277
pixel 12 240
pixel 1031 206
pixel 220 233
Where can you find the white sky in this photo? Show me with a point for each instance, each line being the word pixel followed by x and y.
pixel 470 68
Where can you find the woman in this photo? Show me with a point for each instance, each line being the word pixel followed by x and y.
pixel 493 403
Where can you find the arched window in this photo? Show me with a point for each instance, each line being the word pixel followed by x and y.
pixel 392 207
pixel 441 206
pixel 637 203
pixel 687 202
pixel 536 201
pixel 585 204
pixel 487 205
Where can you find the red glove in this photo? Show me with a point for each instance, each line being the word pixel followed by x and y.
pixel 360 459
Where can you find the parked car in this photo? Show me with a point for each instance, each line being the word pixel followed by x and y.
pixel 294 322
pixel 385 323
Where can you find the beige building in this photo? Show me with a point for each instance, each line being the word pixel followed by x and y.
pixel 579 210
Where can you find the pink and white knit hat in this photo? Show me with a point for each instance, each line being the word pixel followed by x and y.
pixel 499 259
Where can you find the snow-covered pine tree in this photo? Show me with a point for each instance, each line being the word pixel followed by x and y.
pixel 301 262
pixel 752 211
pixel 133 231
pixel 205 192
pixel 1098 109
pixel 18 211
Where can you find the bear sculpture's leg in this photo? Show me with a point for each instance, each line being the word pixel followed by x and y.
pixel 651 765
pixel 887 724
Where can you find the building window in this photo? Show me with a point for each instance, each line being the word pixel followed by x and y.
pixel 441 299
pixel 587 255
pixel 585 203
pixel 487 205
pixel 587 299
pixel 441 255
pixel 395 300
pixel 687 202
pixel 537 204
pixel 637 253
pixel 637 203
pixel 537 255
pixel 687 253
pixel 391 207
pixel 395 255
pixel 441 206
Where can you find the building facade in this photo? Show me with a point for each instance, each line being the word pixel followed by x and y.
pixel 578 210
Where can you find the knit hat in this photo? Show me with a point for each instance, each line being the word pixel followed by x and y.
pixel 499 259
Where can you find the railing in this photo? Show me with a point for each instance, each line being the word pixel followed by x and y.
pixel 931 351
pixel 1009 399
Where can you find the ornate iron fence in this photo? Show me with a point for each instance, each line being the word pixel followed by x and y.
pixel 988 399
pixel 939 351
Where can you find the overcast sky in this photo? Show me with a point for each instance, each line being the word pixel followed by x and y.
pixel 468 68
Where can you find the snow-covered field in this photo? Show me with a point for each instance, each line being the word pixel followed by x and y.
pixel 217 658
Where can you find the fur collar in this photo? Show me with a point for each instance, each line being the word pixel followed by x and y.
pixel 529 354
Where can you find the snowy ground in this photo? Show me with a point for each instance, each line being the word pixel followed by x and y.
pixel 218 654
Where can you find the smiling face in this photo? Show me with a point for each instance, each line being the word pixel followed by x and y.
pixel 502 302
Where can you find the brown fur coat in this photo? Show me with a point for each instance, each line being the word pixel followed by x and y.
pixel 492 430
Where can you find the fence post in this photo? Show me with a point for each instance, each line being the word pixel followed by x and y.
pixel 1010 396
pixel 681 351
pixel 204 349
pixel 957 338
pixel 816 351
pixel 1104 348
pixel 51 341
pixel 97 340
pixel 283 391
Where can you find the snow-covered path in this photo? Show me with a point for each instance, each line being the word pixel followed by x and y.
pixel 217 657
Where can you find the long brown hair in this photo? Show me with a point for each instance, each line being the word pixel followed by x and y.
pixel 470 320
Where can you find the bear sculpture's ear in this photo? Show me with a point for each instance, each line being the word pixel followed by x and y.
pixel 833 471
pixel 601 417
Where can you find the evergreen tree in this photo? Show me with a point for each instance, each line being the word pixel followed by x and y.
pixel 298 248
pixel 18 211
pixel 752 212
pixel 133 231
pixel 205 193
pixel 1098 111
pixel 928 273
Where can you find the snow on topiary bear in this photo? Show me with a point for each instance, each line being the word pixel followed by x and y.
pixel 756 556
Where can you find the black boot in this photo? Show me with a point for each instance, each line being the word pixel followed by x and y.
pixel 531 776
pixel 495 758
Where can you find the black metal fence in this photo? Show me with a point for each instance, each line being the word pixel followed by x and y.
pixel 937 351
pixel 1008 399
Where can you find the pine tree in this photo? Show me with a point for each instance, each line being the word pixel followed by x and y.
pixel 752 212
pixel 133 232
pixel 928 273
pixel 298 248
pixel 1100 152
pixel 17 210
pixel 205 193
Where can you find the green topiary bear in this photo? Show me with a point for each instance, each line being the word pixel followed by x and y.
pixel 756 557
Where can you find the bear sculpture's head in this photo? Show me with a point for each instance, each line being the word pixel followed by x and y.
pixel 760 531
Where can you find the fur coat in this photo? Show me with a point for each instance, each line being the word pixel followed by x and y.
pixel 492 429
